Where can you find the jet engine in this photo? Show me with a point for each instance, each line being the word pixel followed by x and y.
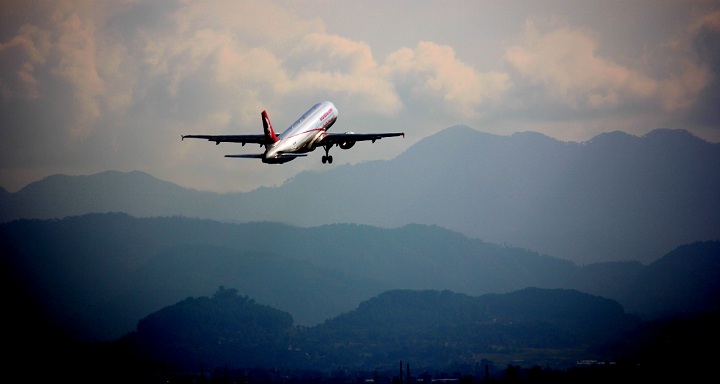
pixel 346 144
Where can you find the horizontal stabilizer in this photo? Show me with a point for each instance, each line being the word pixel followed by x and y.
pixel 258 156
pixel 284 158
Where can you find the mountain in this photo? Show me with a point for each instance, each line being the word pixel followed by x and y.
pixel 95 275
pixel 616 197
pixel 432 329
pixel 220 330
pixel 537 335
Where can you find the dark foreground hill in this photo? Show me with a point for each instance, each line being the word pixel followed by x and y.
pixel 616 197
pixel 534 335
pixel 95 276
pixel 431 329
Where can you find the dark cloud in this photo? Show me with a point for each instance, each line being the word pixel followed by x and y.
pixel 706 44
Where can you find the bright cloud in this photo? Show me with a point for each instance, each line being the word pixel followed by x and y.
pixel 331 65
pixel 566 63
pixel 433 71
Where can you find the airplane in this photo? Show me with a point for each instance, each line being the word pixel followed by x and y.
pixel 304 135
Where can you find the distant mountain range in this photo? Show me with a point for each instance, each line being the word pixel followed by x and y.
pixel 96 275
pixel 616 197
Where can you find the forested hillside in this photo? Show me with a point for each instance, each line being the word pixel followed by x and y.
pixel 432 329
pixel 96 275
pixel 531 333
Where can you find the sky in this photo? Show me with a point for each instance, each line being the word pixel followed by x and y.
pixel 91 86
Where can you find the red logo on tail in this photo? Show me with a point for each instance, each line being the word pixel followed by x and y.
pixel 267 127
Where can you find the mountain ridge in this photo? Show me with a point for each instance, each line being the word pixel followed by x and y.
pixel 123 267
pixel 616 197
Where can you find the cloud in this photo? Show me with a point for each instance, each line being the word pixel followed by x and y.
pixel 262 68
pixel 20 56
pixel 76 52
pixel 255 23
pixel 566 63
pixel 432 71
pixel 702 42
pixel 564 76
pixel 324 64
pixel 61 54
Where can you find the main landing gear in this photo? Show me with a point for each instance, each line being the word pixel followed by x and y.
pixel 327 158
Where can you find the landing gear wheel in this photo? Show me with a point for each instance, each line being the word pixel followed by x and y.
pixel 327 158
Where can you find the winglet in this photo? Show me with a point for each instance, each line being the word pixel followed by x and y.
pixel 268 128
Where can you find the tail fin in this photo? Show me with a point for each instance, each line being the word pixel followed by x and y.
pixel 267 126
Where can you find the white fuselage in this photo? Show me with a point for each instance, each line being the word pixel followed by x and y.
pixel 302 135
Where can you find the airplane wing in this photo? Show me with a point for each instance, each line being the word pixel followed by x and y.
pixel 349 137
pixel 243 139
